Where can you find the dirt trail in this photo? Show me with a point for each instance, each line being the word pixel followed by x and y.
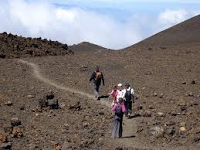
pixel 130 125
pixel 39 76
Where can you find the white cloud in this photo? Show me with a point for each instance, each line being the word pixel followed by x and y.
pixel 73 25
pixel 127 1
pixel 171 17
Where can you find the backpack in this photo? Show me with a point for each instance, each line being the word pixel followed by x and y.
pixel 118 110
pixel 98 76
pixel 128 95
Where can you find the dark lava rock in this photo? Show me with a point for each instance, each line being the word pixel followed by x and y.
pixel 15 121
pixel 53 103
pixel 197 138
pixel 193 82
pixel 6 145
pixel 13 46
pixel 76 106
pixel 50 95
pixel 42 103
pixel 170 131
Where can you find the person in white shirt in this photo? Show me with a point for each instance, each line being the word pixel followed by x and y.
pixel 120 92
pixel 129 99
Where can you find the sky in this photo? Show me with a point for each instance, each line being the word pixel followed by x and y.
pixel 114 24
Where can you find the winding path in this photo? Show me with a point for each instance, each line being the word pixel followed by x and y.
pixel 38 75
pixel 129 125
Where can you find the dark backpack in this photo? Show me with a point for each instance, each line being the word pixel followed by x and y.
pixel 128 96
pixel 118 110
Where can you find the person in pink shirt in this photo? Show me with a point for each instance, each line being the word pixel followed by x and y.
pixel 119 110
pixel 114 95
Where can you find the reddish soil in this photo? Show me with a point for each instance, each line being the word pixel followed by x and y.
pixel 165 77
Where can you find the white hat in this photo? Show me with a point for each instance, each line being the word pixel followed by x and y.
pixel 119 84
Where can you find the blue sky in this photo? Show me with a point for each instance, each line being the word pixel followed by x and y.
pixel 113 24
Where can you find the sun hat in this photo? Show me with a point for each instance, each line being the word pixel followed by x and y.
pixel 120 84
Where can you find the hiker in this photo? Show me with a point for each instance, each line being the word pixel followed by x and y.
pixel 129 99
pixel 119 110
pixel 97 76
pixel 120 92
pixel 114 95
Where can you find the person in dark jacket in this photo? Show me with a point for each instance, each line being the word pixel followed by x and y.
pixel 97 77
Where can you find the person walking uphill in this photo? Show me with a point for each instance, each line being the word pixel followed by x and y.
pixel 129 99
pixel 97 77
pixel 119 110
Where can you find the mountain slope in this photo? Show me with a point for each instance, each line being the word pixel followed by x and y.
pixel 86 47
pixel 185 32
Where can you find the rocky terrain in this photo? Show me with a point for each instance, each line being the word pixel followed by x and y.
pixel 13 46
pixel 165 77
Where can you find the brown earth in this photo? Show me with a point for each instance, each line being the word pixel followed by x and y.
pixel 165 77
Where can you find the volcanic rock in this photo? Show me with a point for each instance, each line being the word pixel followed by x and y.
pixel 20 47
pixel 8 103
pixel 6 145
pixel 15 121
pixel 156 131
pixel 3 137
pixel 53 103
pixel 17 132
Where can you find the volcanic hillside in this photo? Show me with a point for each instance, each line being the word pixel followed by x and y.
pixel 166 75
pixel 13 46
pixel 185 32
pixel 86 47
pixel 163 70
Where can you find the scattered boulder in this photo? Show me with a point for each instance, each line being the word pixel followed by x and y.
pixel 3 137
pixel 76 106
pixel 15 121
pixel 53 103
pixel 170 131
pixel 190 94
pixel 50 95
pixel 160 114
pixel 85 125
pixel 155 94
pixel 8 103
pixel 66 126
pixel 62 105
pixel 101 113
pixel 55 145
pixel 161 95
pixel 197 138
pixel 156 131
pixel 147 114
pixel 17 132
pixel 30 96
pixel 6 145
pixel 42 103
pixel 182 129
pixel 193 82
